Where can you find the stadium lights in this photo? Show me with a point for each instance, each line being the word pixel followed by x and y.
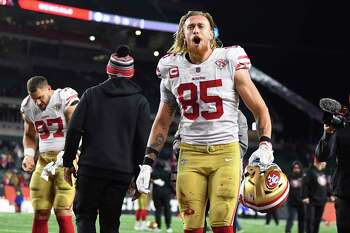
pixel 89 15
pixel 138 32
pixel 92 38
pixel 156 53
pixel 44 22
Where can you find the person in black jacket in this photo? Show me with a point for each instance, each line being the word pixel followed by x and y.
pixel 113 120
pixel 314 195
pixel 336 143
pixel 161 194
pixel 295 204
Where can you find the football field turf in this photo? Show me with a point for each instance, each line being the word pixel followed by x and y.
pixel 22 223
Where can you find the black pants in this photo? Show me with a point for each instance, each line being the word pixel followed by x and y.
pixel 342 208
pixel 292 211
pixel 98 196
pixel 313 218
pixel 273 214
pixel 161 200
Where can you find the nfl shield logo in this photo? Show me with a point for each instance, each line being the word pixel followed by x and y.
pixel 198 69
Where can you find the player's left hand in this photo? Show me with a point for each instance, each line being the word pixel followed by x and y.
pixel 263 155
pixel 68 172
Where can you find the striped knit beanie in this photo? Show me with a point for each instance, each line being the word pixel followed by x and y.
pixel 121 64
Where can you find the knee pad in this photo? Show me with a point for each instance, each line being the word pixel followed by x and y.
pixel 222 213
pixel 226 189
pixel 63 199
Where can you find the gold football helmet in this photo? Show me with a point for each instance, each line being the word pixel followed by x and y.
pixel 264 188
pixel 152 225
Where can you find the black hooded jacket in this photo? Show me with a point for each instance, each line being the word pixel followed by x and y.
pixel 337 145
pixel 315 186
pixel 113 119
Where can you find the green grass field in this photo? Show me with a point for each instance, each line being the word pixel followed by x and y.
pixel 22 223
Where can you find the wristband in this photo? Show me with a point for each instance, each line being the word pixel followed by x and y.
pixel 29 152
pixel 265 139
pixel 150 150
pixel 148 161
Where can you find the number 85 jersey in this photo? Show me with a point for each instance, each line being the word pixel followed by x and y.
pixel 51 123
pixel 205 94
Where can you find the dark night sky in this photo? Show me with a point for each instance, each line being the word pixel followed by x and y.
pixel 301 44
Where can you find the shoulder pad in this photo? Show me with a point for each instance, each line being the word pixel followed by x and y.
pixel 68 95
pixel 25 103
pixel 238 57
pixel 164 63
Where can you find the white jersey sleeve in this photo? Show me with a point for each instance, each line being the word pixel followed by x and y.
pixel 68 96
pixel 238 58
pixel 24 108
pixel 165 71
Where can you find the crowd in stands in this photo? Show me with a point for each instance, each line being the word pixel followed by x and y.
pixel 13 179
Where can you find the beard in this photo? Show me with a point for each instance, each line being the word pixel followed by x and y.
pixel 198 46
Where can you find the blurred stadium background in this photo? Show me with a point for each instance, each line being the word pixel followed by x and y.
pixel 297 53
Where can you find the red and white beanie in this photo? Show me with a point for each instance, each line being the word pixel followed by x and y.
pixel 121 64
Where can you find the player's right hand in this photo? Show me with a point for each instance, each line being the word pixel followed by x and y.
pixel 143 180
pixel 28 163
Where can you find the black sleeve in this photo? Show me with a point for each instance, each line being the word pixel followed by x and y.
pixel 75 131
pixel 142 132
pixel 326 147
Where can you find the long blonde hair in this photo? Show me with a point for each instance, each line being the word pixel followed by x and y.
pixel 179 45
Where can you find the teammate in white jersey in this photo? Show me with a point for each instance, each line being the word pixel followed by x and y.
pixel 206 82
pixel 46 114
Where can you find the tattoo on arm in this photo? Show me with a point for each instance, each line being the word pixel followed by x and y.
pixel 158 142
pixel 172 110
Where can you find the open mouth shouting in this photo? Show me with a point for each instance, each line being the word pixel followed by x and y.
pixel 196 40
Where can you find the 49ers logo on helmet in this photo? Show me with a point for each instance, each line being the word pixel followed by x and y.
pixel 272 179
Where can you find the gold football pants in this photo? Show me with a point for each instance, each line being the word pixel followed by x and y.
pixel 208 173
pixel 143 201
pixel 55 192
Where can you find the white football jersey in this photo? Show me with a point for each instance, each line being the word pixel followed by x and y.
pixel 50 124
pixel 205 94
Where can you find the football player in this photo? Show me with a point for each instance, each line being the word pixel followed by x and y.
pixel 46 114
pixel 141 212
pixel 206 82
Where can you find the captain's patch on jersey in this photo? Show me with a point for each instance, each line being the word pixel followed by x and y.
pixel 174 72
